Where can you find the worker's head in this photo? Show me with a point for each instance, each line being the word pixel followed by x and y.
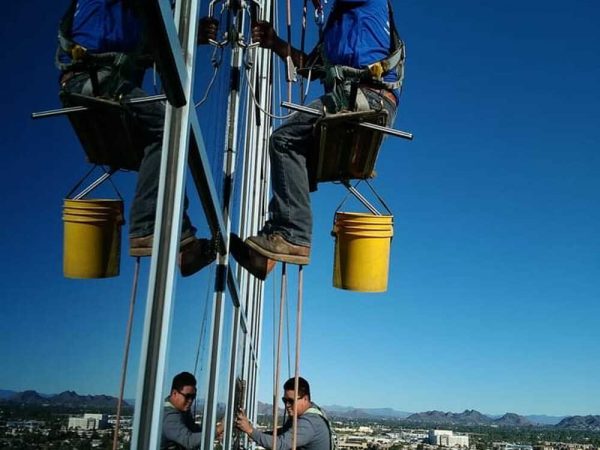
pixel 302 399
pixel 183 391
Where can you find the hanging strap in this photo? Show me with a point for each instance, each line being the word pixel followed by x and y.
pixel 352 190
pixel 105 176
pixel 315 409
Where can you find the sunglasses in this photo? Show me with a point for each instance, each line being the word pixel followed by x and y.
pixel 191 396
pixel 288 401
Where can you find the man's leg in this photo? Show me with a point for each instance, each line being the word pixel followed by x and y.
pixel 194 253
pixel 287 235
pixel 150 116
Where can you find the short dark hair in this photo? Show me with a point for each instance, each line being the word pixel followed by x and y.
pixel 183 379
pixel 303 386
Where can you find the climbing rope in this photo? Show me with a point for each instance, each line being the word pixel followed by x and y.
pixel 204 320
pixel 297 368
pixel 278 356
pixel 136 275
pixel 257 103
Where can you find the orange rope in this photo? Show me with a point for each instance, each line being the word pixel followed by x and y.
pixel 278 356
pixel 297 369
pixel 126 352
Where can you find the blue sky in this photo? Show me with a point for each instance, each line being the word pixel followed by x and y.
pixel 493 301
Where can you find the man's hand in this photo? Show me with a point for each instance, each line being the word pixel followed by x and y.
pixel 219 431
pixel 264 33
pixel 242 422
pixel 207 30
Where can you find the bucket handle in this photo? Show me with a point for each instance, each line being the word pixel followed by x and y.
pixel 105 176
pixel 352 190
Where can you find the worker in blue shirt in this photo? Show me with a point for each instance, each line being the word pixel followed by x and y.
pixel 103 53
pixel 358 35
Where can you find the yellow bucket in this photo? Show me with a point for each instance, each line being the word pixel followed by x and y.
pixel 362 251
pixel 92 238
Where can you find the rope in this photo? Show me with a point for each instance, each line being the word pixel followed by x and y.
pixel 204 320
pixel 257 104
pixel 297 369
pixel 287 329
pixel 126 352
pixel 278 359
pixel 289 49
pixel 216 63
pixel 302 47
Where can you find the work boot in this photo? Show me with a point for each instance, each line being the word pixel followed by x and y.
pixel 142 246
pixel 274 246
pixel 255 263
pixel 194 254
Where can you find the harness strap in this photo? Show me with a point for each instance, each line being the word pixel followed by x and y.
pixel 315 409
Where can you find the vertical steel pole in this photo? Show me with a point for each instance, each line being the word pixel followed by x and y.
pixel 161 284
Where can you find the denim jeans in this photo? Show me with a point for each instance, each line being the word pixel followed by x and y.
pixel 289 208
pixel 151 118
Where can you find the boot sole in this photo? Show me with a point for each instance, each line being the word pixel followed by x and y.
pixel 292 259
pixel 147 251
pixel 256 264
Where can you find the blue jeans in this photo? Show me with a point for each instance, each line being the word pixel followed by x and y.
pixel 150 117
pixel 289 208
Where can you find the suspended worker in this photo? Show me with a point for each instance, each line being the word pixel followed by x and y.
pixel 313 430
pixel 359 46
pixel 104 52
pixel 179 430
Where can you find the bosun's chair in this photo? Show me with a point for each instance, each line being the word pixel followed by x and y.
pixel 344 150
pixel 346 147
pixel 109 134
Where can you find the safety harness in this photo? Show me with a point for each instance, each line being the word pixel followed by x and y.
pixel 73 57
pixel 371 75
pixel 315 409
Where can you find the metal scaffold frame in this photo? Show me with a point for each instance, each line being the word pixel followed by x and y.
pixel 176 50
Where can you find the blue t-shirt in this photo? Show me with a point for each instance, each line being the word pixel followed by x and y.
pixel 106 26
pixel 358 34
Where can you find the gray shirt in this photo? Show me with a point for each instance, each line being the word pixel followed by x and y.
pixel 312 434
pixel 179 430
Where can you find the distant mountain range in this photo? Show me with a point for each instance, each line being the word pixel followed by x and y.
pixel 65 399
pixel 469 417
pixel 587 423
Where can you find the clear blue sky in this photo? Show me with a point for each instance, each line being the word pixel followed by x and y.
pixel 494 297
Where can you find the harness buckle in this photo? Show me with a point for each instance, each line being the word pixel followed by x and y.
pixel 376 70
pixel 78 52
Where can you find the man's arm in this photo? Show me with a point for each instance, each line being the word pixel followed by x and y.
pixel 305 433
pixel 175 430
pixel 265 35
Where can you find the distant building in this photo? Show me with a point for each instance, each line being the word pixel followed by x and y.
pixel 89 422
pixel 447 438
pixel 352 442
pixel 563 446
pixel 510 446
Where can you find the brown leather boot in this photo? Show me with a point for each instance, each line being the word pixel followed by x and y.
pixel 274 246
pixel 142 245
pixel 255 263
pixel 196 255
